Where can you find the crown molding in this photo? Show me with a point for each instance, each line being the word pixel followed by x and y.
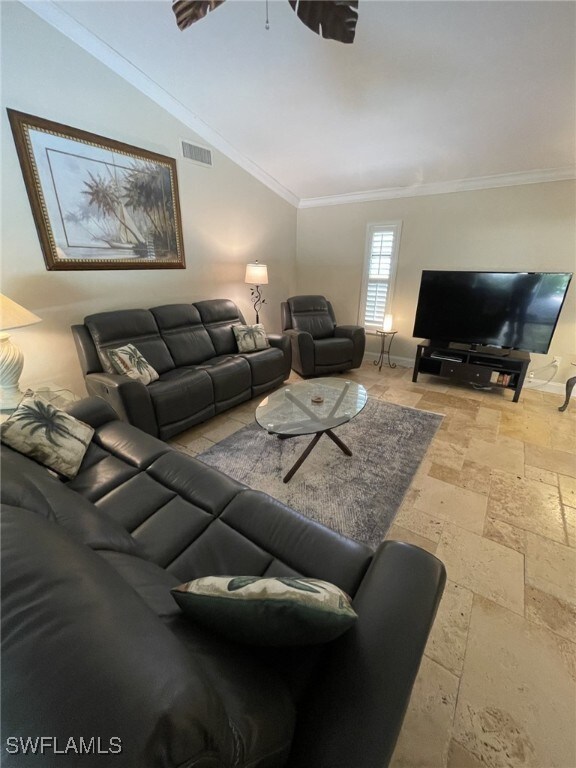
pixel 443 187
pixel 53 15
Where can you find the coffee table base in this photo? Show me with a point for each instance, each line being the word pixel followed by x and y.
pixel 309 448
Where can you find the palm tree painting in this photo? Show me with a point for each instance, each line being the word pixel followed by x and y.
pixel 47 434
pixel 98 203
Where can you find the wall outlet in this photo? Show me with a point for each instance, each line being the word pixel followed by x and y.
pixel 556 360
pixel 530 374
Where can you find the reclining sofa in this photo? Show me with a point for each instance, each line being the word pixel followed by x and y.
pixel 193 349
pixel 95 647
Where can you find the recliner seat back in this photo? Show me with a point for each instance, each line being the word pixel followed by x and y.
pixel 312 314
pixel 185 336
pixel 110 330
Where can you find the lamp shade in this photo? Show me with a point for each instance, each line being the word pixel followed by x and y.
pixel 388 323
pixel 256 274
pixel 12 315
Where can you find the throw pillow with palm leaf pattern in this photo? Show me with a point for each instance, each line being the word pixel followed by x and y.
pixel 278 611
pixel 131 363
pixel 250 338
pixel 47 434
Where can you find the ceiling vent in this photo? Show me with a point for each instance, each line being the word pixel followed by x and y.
pixel 196 153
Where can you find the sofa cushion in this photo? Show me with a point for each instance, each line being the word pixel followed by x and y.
pixel 276 611
pixel 266 365
pixel 30 486
pixel 311 314
pixel 219 316
pixel 335 351
pixel 185 336
pixel 231 379
pixel 250 338
pixel 129 326
pixel 127 360
pixel 47 434
pixel 181 393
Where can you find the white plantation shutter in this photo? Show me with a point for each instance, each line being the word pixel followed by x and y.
pixel 379 269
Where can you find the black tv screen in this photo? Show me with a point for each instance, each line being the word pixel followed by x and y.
pixel 517 310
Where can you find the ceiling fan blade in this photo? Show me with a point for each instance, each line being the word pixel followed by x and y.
pixel 334 19
pixel 189 11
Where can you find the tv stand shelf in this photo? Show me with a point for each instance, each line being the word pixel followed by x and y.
pixel 484 366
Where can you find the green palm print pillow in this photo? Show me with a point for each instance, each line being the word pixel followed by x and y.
pixel 250 338
pixel 130 362
pixel 47 434
pixel 278 611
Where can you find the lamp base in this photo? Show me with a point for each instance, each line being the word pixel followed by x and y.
pixel 10 398
pixel 11 362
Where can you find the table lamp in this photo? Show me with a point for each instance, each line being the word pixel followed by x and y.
pixel 256 275
pixel 12 315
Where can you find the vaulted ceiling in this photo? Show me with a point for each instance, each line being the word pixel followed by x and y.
pixel 431 95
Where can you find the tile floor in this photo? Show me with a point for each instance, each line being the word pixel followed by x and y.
pixel 495 500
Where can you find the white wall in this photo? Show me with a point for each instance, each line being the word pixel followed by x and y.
pixel 229 218
pixel 523 228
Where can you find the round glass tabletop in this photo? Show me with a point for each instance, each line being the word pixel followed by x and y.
pixel 311 406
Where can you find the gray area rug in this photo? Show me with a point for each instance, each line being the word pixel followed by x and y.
pixel 357 495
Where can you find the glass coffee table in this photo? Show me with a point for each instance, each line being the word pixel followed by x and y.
pixel 312 407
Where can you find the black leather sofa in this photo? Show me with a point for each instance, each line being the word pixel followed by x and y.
pixel 319 345
pixel 193 348
pixel 94 646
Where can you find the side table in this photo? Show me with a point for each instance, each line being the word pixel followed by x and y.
pixel 383 350
pixel 53 393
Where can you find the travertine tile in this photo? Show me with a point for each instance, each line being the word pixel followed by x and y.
pixel 567 490
pixel 569 519
pixel 196 445
pixel 542 475
pixel 425 734
pixel 487 568
pixel 458 757
pixel 448 502
pixel 419 522
pixel 516 699
pixel 398 533
pixel 552 459
pixel 400 397
pixel 551 567
pixel 506 534
pixel 447 641
pixel 222 430
pixel 506 454
pixel 474 477
pixel 526 504
pixel 552 612
pixel 446 453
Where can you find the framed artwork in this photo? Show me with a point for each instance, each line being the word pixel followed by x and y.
pixel 98 203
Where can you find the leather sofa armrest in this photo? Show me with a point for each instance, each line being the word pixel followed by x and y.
pixel 358 336
pixel 302 352
pixel 93 411
pixel 368 673
pixel 130 399
pixel 282 341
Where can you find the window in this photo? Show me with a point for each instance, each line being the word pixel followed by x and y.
pixel 382 244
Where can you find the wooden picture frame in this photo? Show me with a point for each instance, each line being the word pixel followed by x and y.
pixel 98 203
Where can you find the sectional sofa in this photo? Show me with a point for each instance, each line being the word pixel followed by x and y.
pixel 97 656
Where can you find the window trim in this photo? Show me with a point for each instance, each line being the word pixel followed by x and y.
pixel 371 230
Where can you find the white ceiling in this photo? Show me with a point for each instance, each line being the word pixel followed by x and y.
pixel 430 93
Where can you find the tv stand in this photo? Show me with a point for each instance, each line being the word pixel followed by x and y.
pixel 475 364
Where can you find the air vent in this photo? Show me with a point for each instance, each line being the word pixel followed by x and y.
pixel 197 154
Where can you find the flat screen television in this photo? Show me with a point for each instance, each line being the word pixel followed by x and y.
pixel 510 310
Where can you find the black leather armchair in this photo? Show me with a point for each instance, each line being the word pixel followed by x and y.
pixel 319 345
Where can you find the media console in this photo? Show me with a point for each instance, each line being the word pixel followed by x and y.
pixel 483 366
